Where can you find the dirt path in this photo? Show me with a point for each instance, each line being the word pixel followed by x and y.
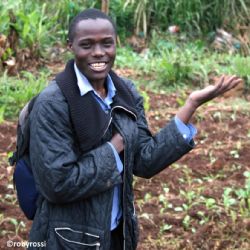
pixel 194 204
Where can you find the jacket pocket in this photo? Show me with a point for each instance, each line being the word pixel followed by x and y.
pixel 65 236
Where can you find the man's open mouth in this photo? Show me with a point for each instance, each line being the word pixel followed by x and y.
pixel 98 66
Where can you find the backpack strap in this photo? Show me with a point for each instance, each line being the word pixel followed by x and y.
pixel 23 133
pixel 12 159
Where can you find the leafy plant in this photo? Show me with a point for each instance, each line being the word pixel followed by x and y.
pixel 2 110
pixel 188 195
pixel 147 197
pixel 241 66
pixel 4 19
pixel 244 195
pixel 163 199
pixel 228 200
pixel 33 28
pixel 186 221
pixel 196 16
pixel 15 92
pixel 165 227
pixel 210 203
pixel 172 70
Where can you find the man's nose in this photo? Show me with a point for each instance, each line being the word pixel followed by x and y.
pixel 98 51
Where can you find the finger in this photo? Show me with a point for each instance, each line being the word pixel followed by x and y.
pixel 226 84
pixel 230 86
pixel 227 79
pixel 234 83
pixel 219 86
pixel 229 83
pixel 220 81
pixel 230 79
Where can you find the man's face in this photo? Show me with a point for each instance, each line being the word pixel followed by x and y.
pixel 94 47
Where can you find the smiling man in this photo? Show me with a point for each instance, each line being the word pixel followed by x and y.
pixel 93 42
pixel 89 136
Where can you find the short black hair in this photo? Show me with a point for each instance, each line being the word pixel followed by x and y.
pixel 84 15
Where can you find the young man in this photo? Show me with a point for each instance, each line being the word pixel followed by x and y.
pixel 88 137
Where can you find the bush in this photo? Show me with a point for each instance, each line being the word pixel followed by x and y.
pixel 193 16
pixel 15 92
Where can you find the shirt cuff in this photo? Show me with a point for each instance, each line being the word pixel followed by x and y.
pixel 188 131
pixel 119 164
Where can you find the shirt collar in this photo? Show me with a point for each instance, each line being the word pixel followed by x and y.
pixel 85 86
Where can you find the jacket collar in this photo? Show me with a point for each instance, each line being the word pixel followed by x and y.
pixel 85 86
pixel 90 122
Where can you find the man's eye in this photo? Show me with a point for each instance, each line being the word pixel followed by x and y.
pixel 85 45
pixel 108 43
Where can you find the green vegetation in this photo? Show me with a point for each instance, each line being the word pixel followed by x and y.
pixel 207 198
pixel 195 210
pixel 168 66
pixel 15 92
pixel 196 16
pixel 169 63
pixel 40 24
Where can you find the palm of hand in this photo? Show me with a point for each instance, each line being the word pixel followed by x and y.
pixel 224 84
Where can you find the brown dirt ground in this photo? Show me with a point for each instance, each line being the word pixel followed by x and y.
pixel 219 159
pixel 222 132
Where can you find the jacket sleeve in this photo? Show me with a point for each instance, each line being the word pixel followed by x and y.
pixel 61 172
pixel 155 153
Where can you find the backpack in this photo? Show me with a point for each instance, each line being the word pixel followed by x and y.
pixel 23 179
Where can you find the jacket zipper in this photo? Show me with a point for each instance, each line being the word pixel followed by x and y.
pixel 124 165
pixel 121 107
pixel 111 118
pixel 123 191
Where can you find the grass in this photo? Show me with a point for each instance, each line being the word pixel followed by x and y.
pixel 169 65
pixel 15 92
pixel 194 16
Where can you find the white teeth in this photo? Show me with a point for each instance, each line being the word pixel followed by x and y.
pixel 98 65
